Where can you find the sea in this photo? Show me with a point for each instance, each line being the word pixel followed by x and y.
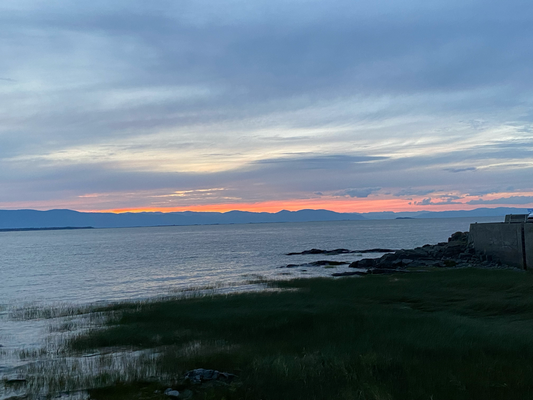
pixel 61 268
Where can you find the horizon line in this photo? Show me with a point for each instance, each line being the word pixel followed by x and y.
pixel 161 211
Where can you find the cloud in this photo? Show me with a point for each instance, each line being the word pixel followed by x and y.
pixel 445 200
pixel 320 161
pixel 267 99
pixel 490 190
pixel 414 192
pixel 358 192
pixel 460 169
pixel 504 200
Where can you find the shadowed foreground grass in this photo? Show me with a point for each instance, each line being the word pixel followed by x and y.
pixel 452 334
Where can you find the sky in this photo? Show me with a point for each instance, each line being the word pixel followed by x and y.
pixel 347 105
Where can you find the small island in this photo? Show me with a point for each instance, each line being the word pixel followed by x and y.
pixel 45 229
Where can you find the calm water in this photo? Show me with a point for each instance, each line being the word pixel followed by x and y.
pixel 85 266
pixel 47 268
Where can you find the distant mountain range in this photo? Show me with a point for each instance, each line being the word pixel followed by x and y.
pixel 23 219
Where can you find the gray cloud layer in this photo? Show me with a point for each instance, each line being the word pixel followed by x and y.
pixel 268 100
pixel 505 200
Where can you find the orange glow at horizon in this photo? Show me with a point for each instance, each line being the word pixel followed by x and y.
pixel 373 203
pixel 333 204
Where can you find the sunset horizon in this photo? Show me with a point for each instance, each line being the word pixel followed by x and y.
pixel 266 199
pixel 355 107
pixel 335 205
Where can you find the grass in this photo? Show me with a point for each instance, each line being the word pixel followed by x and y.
pixel 449 334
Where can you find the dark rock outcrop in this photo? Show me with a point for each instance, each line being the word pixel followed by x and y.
pixel 454 253
pixel 341 251
pixel 319 251
pixel 326 262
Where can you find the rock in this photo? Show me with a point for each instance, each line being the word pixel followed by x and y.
pixel 341 251
pixel 414 254
pixel 16 380
pixel 454 249
pixel 376 250
pixel 291 266
pixel 459 237
pixel 397 263
pixel 387 261
pixel 454 253
pixel 349 273
pixel 419 251
pixel 325 262
pixel 417 264
pixel 200 375
pixel 172 393
pixel 364 263
pixel 320 251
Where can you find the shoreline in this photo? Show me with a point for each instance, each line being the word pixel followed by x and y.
pixel 290 300
pixel 313 324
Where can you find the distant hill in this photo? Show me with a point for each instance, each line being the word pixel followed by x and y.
pixel 24 219
pixel 17 219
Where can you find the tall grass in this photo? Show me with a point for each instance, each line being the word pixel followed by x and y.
pixel 453 334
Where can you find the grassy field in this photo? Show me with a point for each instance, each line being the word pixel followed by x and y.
pixel 442 335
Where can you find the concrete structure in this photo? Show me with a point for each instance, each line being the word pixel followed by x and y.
pixel 510 242
pixel 513 218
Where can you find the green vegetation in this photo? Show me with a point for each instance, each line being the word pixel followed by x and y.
pixel 448 334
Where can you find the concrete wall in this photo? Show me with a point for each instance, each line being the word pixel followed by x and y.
pixel 503 241
pixel 528 240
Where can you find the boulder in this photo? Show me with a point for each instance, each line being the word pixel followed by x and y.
pixel 364 263
pixel 388 261
pixel 459 237
pixel 172 393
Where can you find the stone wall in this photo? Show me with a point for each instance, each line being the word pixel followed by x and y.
pixel 528 240
pixel 510 243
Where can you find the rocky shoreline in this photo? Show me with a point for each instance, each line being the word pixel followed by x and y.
pixel 455 253
pixel 340 251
